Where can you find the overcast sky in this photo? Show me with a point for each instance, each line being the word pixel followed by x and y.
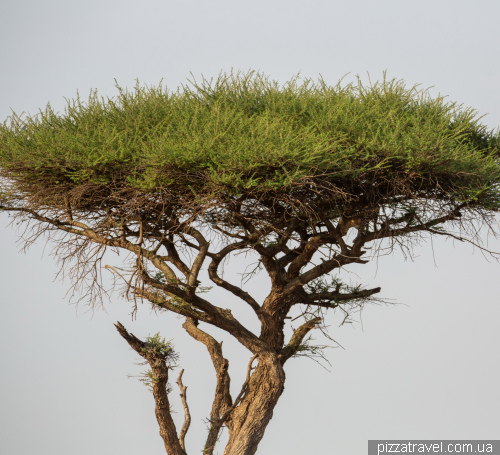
pixel 426 368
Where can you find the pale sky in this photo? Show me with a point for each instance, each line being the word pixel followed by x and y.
pixel 424 369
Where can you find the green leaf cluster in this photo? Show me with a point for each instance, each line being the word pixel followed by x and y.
pixel 330 283
pixel 245 132
pixel 157 345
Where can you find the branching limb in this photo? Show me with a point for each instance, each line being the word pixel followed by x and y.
pixel 217 424
pixel 462 239
pixel 305 257
pixel 199 308
pixel 335 233
pixel 235 290
pixel 386 231
pixel 174 258
pixel 322 269
pixel 171 303
pixel 200 258
pixel 222 399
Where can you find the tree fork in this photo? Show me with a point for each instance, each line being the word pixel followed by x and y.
pixel 251 417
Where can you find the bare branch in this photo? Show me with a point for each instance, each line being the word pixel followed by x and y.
pixel 235 290
pixel 297 338
pixel 221 318
pixel 217 425
pixel 243 391
pixel 305 257
pixel 222 399
pixel 187 414
pixel 324 268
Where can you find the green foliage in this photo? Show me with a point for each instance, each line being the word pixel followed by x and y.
pixel 157 345
pixel 244 132
pixel 147 378
pixel 330 283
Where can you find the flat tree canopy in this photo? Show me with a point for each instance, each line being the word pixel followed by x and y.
pixel 241 163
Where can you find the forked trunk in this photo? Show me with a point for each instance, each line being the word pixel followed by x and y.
pixel 250 419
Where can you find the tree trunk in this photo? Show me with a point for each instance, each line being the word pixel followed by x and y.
pixel 162 409
pixel 159 382
pixel 250 419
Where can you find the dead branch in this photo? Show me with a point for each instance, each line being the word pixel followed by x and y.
pixel 187 415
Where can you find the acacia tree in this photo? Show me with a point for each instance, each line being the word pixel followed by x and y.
pixel 306 176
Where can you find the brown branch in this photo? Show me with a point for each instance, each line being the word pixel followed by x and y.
pixel 217 425
pixel 462 239
pixel 243 391
pixel 200 258
pixel 272 266
pixel 235 290
pixel 222 399
pixel 166 302
pixel 198 262
pixel 85 230
pixel 187 414
pixel 335 233
pixel 284 237
pixel 159 368
pixel 312 245
pixel 387 232
pixel 174 258
pixel 298 336
pixel 193 246
pixel 322 269
pixel 290 255
pixel 336 296
pixel 212 314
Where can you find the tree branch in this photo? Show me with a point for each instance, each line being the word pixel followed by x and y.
pixel 387 232
pixel 174 258
pixel 298 336
pixel 235 290
pixel 322 269
pixel 221 318
pixel 187 414
pixel 159 368
pixel 217 425
pixel 305 257
pixel 222 399
pixel 336 296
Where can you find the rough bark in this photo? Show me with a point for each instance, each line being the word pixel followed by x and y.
pixel 160 379
pixel 251 417
pixel 222 398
